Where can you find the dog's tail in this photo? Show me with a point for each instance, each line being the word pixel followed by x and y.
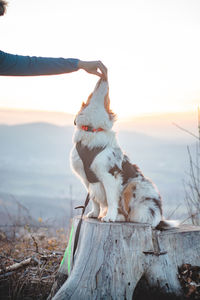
pixel 167 224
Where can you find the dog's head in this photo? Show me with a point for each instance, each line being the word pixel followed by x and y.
pixel 96 112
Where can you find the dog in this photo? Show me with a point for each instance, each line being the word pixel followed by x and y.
pixel 118 189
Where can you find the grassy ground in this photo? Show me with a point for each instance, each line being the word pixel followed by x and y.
pixel 43 252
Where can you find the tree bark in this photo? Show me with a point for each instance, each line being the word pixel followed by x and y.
pixel 111 258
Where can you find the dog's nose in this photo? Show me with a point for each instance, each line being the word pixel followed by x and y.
pixel 75 122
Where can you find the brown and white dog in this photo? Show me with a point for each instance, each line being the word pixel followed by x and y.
pixel 118 190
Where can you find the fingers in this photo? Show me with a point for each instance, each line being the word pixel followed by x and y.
pixel 94 67
pixel 99 74
pixel 103 70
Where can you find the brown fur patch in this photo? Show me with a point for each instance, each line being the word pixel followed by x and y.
pixel 103 213
pixel 112 115
pixel 84 105
pixel 128 194
pixel 88 100
pixel 157 203
pixel 122 212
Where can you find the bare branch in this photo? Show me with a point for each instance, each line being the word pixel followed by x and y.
pixel 173 211
pixel 191 216
pixel 35 243
pixel 185 130
pixel 17 265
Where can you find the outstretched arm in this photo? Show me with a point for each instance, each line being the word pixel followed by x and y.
pixel 18 65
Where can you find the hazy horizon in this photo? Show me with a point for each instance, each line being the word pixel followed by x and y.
pixel 158 124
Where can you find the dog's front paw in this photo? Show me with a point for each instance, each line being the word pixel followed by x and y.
pixel 92 214
pixel 109 217
pixel 120 218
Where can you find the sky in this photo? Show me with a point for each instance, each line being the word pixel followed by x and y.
pixel 150 47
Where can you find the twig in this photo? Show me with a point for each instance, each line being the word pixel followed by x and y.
pixel 191 216
pixel 192 172
pixel 16 266
pixel 6 275
pixel 36 260
pixel 173 211
pixel 25 224
pixel 185 130
pixel 35 243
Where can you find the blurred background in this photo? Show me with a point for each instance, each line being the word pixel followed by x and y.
pixel 151 49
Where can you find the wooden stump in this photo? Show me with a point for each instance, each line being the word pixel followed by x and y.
pixel 111 258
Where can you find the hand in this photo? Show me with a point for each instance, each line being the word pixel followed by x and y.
pixel 93 67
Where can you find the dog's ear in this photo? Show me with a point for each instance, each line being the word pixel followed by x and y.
pixel 84 105
pixel 112 115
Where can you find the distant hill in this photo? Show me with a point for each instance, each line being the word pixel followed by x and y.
pixel 161 125
pixel 157 125
pixel 35 169
pixel 17 116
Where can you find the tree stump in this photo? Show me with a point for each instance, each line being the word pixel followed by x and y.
pixel 111 258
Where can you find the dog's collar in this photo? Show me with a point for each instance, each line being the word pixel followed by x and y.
pixel 91 129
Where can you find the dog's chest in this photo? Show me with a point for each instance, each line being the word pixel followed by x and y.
pixel 87 156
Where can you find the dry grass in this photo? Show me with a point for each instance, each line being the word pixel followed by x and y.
pixel 189 277
pixel 34 280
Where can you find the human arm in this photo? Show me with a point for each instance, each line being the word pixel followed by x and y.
pixel 19 65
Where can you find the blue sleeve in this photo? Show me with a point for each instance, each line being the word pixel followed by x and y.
pixel 18 65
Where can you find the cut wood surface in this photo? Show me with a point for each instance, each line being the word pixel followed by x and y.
pixel 111 258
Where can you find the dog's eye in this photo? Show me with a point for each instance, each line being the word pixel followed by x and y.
pixel 75 121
